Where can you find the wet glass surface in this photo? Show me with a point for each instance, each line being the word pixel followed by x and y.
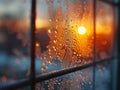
pixel 105 30
pixel 103 76
pixel 80 80
pixel 64 38
pixel 64 34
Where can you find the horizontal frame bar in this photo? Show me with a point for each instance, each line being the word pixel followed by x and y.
pixel 54 74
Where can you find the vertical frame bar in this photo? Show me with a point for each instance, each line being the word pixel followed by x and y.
pixel 118 71
pixel 32 47
pixel 94 47
pixel 115 62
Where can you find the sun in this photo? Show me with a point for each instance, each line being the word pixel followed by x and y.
pixel 82 30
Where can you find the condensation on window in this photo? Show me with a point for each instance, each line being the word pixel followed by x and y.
pixel 103 76
pixel 64 37
pixel 64 32
pixel 104 30
pixel 80 80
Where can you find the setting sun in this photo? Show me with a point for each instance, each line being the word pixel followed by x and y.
pixel 82 30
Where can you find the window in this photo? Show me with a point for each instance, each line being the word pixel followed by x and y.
pixel 58 44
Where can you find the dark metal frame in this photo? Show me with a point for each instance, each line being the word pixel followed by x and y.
pixel 33 79
pixel 33 40
pixel 118 71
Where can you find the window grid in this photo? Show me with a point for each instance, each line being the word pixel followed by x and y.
pixel 32 47
pixel 33 79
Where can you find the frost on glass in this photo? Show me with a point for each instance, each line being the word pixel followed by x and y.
pixel 14 40
pixel 80 80
pixel 104 30
pixel 64 32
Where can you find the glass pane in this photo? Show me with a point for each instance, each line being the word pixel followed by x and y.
pixel 14 40
pixel 103 77
pixel 64 34
pixel 80 80
pixel 104 30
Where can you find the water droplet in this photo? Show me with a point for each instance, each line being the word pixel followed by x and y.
pixel 37 44
pixel 49 31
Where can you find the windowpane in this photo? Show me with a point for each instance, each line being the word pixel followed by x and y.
pixel 80 80
pixel 64 34
pixel 64 38
pixel 104 30
pixel 14 40
pixel 103 77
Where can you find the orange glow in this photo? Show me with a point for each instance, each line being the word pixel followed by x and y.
pixel 82 30
pixel 40 23
pixel 68 32
pixel 49 31
pixel 4 79
pixel 37 44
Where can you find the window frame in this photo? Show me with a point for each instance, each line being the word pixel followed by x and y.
pixel 33 79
